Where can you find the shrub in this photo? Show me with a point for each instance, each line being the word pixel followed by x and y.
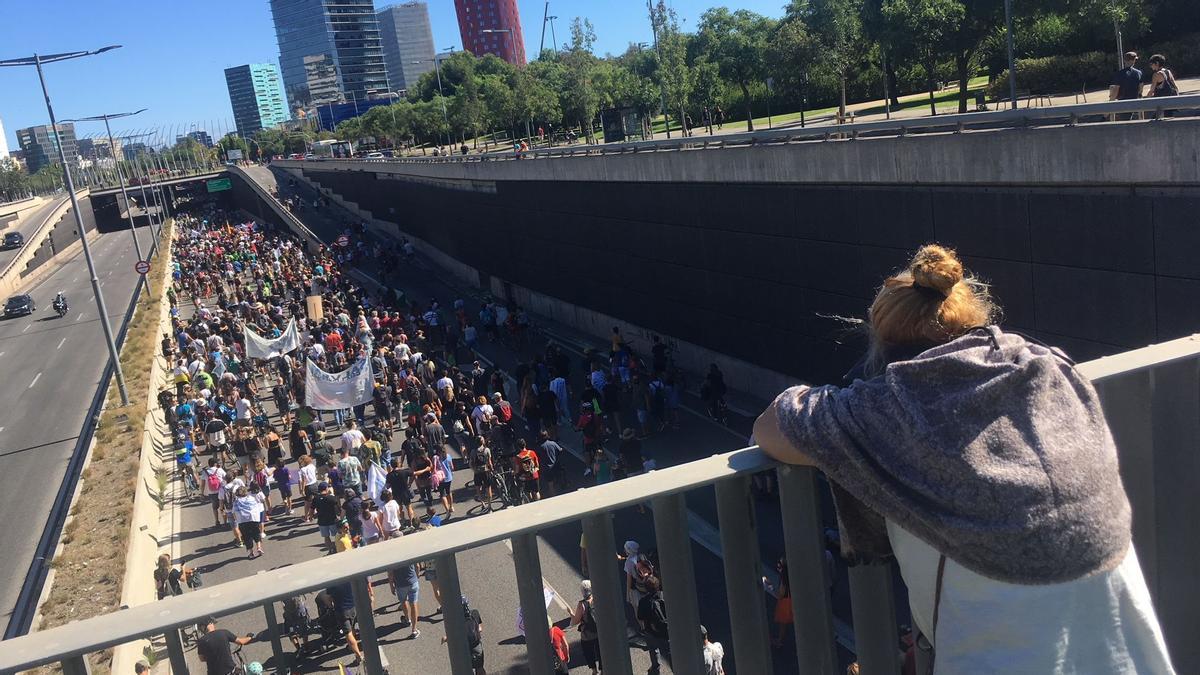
pixel 1093 70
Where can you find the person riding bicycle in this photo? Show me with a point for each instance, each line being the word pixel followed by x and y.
pixel 713 391
pixel 527 468
pixel 213 648
pixel 60 303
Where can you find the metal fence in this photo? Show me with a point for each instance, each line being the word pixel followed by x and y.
pixel 1147 109
pixel 1152 397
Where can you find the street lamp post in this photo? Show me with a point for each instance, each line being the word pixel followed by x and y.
pixel 137 247
pixel 437 69
pixel 36 61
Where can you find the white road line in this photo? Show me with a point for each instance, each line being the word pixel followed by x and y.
pixel 60 344
pixel 27 327
pixel 75 279
pixel 35 379
pixel 80 317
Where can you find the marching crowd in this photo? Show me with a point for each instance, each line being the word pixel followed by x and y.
pixel 437 412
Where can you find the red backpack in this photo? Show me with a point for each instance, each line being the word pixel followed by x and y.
pixel 504 411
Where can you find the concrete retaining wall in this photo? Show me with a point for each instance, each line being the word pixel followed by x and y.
pixel 12 212
pixel 56 239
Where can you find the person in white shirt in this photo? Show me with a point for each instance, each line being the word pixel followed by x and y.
pixel 714 654
pixel 244 410
pixel 352 438
pixel 559 386
pixel 212 479
pixel 484 416
pixel 445 388
pixel 308 484
pixel 391 515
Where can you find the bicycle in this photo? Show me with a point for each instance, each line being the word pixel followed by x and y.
pixel 500 491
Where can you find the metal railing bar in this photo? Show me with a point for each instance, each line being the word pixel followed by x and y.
pixel 743 576
pixel 105 631
pixel 1139 359
pixel 533 605
pixel 608 594
pixel 874 610
pixel 803 538
pixel 76 665
pixel 679 583
pixel 175 652
pixel 452 613
pixel 369 644
pixel 281 665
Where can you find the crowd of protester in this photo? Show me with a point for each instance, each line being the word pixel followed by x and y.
pixel 257 453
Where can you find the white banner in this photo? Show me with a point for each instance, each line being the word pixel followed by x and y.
pixel 376 482
pixel 338 391
pixel 261 348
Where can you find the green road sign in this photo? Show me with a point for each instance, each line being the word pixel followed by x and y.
pixel 219 184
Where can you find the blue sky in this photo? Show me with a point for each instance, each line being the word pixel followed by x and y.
pixel 175 52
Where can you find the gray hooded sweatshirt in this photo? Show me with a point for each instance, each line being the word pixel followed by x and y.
pixel 991 449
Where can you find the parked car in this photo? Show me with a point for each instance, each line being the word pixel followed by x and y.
pixel 374 155
pixel 19 305
pixel 14 240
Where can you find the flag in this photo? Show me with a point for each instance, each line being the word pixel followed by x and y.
pixel 262 348
pixel 338 391
pixel 376 481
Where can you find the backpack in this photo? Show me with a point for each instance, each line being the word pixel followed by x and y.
pixel 527 465
pixel 437 476
pixel 504 411
pixel 480 458
pixel 656 623
pixel 643 569
pixel 473 636
pixel 213 481
pixel 588 625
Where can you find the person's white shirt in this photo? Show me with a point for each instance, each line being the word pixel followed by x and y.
pixel 211 471
pixel 247 509
pixel 559 386
pixel 243 408
pixel 308 474
pixel 501 315
pixel 445 383
pixel 1100 623
pixel 195 366
pixel 352 438
pixel 391 516
pixel 482 414
pixel 402 351
pixel 714 654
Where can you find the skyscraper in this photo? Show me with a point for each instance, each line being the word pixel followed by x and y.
pixel 475 16
pixel 329 50
pixel 40 145
pixel 407 43
pixel 256 95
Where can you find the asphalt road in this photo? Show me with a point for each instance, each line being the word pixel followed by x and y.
pixel 487 573
pixel 51 368
pixel 29 222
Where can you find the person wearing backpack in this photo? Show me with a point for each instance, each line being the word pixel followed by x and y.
pixel 1162 81
pixel 528 470
pixel 474 636
pixel 212 479
pixel 585 618
pixel 652 616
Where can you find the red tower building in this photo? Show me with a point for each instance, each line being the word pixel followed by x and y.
pixel 491 27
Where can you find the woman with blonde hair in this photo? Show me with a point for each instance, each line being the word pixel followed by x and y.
pixel 982 461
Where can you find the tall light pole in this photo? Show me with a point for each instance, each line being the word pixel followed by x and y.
pixel 137 247
pixel 437 69
pixel 36 61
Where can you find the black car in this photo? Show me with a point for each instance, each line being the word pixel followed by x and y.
pixel 19 305
pixel 14 240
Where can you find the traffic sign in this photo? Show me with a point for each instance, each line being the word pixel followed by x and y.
pixel 141 266
pixel 343 241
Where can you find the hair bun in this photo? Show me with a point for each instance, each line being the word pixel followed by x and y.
pixel 936 267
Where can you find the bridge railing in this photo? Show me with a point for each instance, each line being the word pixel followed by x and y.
pixel 1145 109
pixel 1151 396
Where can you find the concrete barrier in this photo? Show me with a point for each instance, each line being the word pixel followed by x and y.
pixel 11 212
pixel 11 279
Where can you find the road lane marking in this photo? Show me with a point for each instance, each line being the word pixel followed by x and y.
pixel 75 279
pixel 27 327
pixel 78 318
pixel 35 379
pixel 60 344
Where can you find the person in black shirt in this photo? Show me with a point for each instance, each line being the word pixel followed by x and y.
pixel 1126 82
pixel 326 507
pixel 399 481
pixel 352 507
pixel 213 648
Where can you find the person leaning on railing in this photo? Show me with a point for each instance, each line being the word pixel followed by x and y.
pixel 982 461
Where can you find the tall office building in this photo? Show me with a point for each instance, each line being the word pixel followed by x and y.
pixel 40 145
pixel 329 51
pixel 475 16
pixel 256 94
pixel 407 43
pixel 97 148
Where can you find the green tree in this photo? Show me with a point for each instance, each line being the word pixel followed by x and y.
pixel 14 182
pixel 675 77
pixel 838 24
pixel 794 51
pixel 737 43
pixel 579 96
pixel 922 30
pixel 232 141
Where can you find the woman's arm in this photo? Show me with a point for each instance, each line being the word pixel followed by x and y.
pixel 772 441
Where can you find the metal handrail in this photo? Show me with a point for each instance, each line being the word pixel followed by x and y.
pixel 98 633
pixel 899 126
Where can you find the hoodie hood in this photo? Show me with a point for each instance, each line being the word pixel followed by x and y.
pixel 991 449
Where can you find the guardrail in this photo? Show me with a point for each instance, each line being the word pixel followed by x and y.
pixel 35 577
pixel 1070 115
pixel 1164 379
pixel 298 226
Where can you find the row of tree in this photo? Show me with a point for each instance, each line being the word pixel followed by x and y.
pixel 821 52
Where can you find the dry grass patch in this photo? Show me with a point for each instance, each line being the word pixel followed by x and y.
pixel 88 573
